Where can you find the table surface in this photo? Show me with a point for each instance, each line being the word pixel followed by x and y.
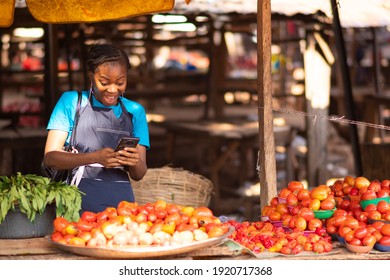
pixel 43 249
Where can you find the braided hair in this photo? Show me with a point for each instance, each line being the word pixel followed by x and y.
pixel 99 54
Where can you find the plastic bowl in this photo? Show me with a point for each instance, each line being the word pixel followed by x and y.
pixel 340 239
pixel 382 248
pixel 375 201
pixel 358 249
pixel 324 214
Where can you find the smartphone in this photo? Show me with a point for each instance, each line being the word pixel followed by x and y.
pixel 127 142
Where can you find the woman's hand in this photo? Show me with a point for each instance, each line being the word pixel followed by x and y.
pixel 134 161
pixel 107 157
pixel 128 156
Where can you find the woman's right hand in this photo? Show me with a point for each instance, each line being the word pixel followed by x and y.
pixel 107 158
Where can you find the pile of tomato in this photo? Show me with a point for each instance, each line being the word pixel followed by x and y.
pixel 157 223
pixel 260 236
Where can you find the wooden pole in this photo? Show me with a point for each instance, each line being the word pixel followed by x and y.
pixel 349 101
pixel 266 163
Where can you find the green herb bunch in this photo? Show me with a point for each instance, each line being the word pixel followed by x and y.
pixel 32 193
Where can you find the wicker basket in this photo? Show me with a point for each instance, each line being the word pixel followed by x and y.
pixel 173 185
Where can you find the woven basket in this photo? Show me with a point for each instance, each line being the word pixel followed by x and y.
pixel 173 185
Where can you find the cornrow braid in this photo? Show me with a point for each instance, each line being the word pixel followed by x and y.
pixel 99 54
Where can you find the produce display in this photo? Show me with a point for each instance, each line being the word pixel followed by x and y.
pixel 296 221
pixel 152 224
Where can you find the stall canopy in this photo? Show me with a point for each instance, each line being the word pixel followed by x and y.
pixel 353 13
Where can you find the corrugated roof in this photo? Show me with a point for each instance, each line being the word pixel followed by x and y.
pixel 353 13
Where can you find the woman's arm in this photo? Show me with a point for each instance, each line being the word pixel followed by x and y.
pixel 56 158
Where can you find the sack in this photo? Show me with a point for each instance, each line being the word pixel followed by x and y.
pixel 62 175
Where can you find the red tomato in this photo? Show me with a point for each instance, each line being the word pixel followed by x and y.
pixel 60 224
pixel 88 216
pixel 83 225
pixel 369 240
pixel 383 206
pixel 342 231
pixel 313 224
pixel 385 240
pixel 360 233
pixel 295 185
pixel 292 199
pixel 57 236
pixel 361 182
pixel 385 230
pixel 355 241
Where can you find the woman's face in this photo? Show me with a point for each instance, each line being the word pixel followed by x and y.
pixel 109 82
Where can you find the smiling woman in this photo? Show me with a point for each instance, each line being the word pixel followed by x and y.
pixel 105 117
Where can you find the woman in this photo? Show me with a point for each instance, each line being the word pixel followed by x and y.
pixel 105 117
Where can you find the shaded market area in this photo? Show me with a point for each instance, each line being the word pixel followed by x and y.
pixel 249 95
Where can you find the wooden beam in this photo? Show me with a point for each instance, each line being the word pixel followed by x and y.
pixel 266 164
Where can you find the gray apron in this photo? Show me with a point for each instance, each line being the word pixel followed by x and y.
pixel 98 128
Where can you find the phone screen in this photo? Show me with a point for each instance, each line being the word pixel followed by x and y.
pixel 127 142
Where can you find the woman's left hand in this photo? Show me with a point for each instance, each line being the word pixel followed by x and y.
pixel 128 156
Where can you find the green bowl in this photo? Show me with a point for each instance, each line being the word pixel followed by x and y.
pixel 375 201
pixel 324 214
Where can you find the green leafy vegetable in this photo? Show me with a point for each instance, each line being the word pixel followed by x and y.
pixel 32 193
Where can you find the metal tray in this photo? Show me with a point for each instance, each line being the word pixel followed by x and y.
pixel 140 252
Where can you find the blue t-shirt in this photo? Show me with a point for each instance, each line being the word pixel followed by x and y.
pixel 62 117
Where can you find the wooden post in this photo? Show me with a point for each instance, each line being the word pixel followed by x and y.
pixel 266 163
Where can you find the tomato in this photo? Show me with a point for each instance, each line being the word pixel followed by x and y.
pixel 125 211
pixel 102 216
pixel 282 208
pixel 169 227
pixel 275 216
pixel 292 199
pixel 369 194
pixel 203 211
pixel 360 233
pixel 300 223
pixel 161 214
pixel 385 230
pixel 152 217
pixel 77 241
pixel 215 231
pixel 328 204
pixel 274 202
pixel 315 204
pixel 60 224
pixel 375 186
pixel 351 222
pixel 383 206
pixel 141 217
pixel 160 205
pixel 320 192
pixel 369 240
pixel 313 224
pixel 361 182
pixel 188 210
pixel 377 225
pixel 71 229
pixel 295 185
pixel 342 231
pixel 88 216
pixel 57 236
pixel 355 241
pixel 284 193
pixel 174 217
pixel 386 216
pixel 303 194
pixel 375 215
pixel 306 213
pixel 383 193
pixel 339 220
pixel 385 240
pixel 83 225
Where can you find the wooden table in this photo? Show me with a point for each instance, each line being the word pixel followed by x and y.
pixel 43 249
pixel 222 140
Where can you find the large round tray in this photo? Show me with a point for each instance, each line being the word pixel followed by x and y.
pixel 137 252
